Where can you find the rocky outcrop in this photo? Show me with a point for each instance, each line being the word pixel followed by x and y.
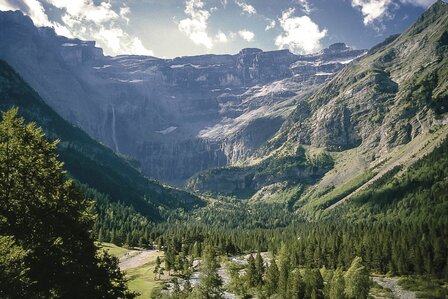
pixel 383 101
pixel 245 181
pixel 176 116
pixel 386 99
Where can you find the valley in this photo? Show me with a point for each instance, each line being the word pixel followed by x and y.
pixel 260 174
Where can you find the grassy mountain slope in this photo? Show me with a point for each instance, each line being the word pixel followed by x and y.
pixel 418 194
pixel 87 160
pixel 385 110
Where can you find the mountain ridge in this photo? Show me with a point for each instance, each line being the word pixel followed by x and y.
pixel 364 117
pixel 88 161
pixel 211 110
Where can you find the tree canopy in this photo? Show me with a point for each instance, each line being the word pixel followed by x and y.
pixel 45 223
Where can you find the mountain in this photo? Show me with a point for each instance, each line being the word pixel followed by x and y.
pixel 175 116
pixel 88 161
pixel 375 118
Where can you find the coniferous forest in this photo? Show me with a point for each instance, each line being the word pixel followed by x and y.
pixel 266 174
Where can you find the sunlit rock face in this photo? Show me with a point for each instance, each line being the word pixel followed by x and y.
pixel 175 116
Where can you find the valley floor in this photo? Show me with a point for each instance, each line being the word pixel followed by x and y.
pixel 139 265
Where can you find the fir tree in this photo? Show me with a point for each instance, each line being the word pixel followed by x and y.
pixel 210 286
pixel 357 280
pixel 49 220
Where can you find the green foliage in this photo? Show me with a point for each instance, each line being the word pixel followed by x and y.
pixel 338 193
pixel 296 286
pixel 337 285
pixel 48 222
pixel 314 283
pixel 418 196
pixel 210 286
pixel 272 274
pixel 259 270
pixel 251 272
pixel 284 265
pixel 357 282
pixel 244 182
pixel 13 269
pixel 425 286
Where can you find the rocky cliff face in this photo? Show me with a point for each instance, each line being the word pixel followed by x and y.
pixel 369 115
pixel 388 98
pixel 176 116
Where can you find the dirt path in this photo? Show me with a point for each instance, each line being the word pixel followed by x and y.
pixel 136 258
pixel 392 284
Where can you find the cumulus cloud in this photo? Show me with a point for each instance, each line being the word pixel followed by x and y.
pixel 306 6
pixel 271 25
pixel 221 37
pixel 32 8
pixel 246 35
pixel 300 34
pixel 247 8
pixel 372 9
pixel 124 13
pixel 195 26
pixel 87 20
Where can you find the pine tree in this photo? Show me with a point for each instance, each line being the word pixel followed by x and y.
pixel 259 269
pixel 272 279
pixel 210 286
pixel 157 269
pixel 357 280
pixel 296 286
pixel 284 267
pixel 314 283
pixel 251 272
pixel 337 285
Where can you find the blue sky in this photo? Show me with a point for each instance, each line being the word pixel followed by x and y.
pixel 170 28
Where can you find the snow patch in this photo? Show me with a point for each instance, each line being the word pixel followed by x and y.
pixel 201 78
pixel 177 66
pixel 69 45
pixel 102 67
pixel 167 130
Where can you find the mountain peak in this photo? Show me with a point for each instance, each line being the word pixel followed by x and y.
pixel 246 51
pixel 16 17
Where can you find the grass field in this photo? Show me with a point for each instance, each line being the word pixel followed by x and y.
pixel 425 287
pixel 140 279
pixel 113 249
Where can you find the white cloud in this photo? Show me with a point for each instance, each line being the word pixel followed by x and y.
pixel 271 25
pixel 301 34
pixel 422 3
pixel 125 11
pixel 87 20
pixel 372 9
pixel 118 40
pixel 32 8
pixel 5 6
pixel 86 10
pixel 306 7
pixel 246 35
pixel 195 26
pixel 221 37
pixel 247 8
